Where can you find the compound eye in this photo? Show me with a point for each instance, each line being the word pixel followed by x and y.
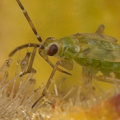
pixel 53 49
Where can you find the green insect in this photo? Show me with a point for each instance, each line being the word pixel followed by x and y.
pixel 93 51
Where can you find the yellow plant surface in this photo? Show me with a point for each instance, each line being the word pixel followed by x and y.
pixel 106 110
pixel 56 18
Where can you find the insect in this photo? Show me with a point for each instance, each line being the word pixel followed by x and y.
pixel 93 51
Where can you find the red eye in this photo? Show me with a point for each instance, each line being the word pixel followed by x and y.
pixel 52 50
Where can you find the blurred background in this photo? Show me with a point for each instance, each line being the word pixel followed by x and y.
pixel 54 18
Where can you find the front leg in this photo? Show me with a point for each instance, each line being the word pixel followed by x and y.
pixel 62 63
pixel 50 63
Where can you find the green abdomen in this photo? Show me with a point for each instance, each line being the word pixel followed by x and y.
pixel 105 67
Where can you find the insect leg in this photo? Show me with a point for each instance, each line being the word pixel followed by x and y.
pixel 24 46
pixel 29 21
pixel 86 87
pixel 100 32
pixel 60 62
pixel 108 79
pixel 51 64
pixel 87 74
pixel 100 29
pixel 29 69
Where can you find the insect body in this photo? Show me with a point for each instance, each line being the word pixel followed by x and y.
pixel 93 51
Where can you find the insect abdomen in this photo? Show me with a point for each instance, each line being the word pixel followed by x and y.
pixel 110 67
pixel 104 67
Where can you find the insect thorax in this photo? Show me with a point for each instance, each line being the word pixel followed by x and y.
pixel 69 47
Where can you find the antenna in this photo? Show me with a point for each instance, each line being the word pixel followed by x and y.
pixel 29 21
